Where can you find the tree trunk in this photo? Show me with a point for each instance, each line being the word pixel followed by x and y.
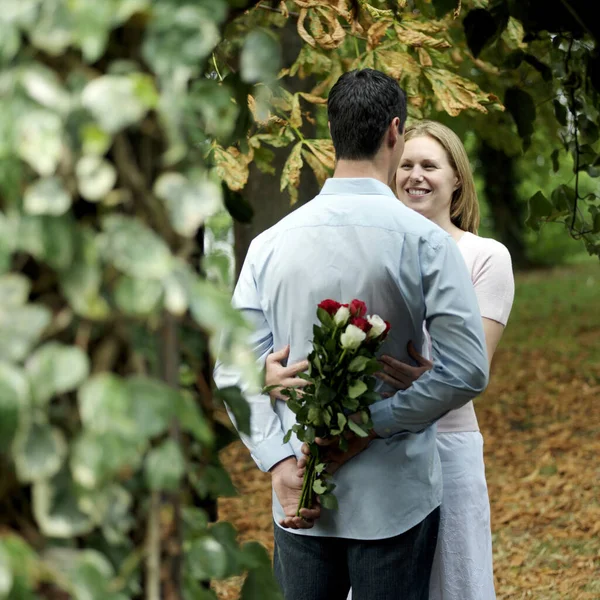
pixel 506 209
pixel 262 192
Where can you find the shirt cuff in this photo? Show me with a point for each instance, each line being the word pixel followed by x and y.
pixel 382 417
pixel 269 452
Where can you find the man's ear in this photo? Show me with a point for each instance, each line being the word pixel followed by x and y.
pixel 394 132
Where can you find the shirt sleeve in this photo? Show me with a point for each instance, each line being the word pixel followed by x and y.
pixel 494 283
pixel 460 371
pixel 265 441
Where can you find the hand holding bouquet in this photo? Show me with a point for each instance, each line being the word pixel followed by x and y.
pixel 334 404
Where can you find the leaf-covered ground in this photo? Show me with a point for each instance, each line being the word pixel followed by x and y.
pixel 541 421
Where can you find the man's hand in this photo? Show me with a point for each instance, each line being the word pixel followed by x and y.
pixel 287 477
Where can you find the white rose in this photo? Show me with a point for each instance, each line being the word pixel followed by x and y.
pixel 352 338
pixel 341 316
pixel 378 326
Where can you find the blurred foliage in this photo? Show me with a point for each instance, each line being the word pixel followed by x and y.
pixel 109 303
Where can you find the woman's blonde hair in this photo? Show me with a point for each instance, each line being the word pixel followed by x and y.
pixel 464 208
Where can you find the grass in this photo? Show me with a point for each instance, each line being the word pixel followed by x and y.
pixel 540 418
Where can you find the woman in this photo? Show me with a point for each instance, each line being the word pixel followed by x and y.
pixel 434 179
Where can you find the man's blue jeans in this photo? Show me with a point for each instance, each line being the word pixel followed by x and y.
pixel 323 568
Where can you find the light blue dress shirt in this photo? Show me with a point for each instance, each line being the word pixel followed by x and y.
pixel 357 240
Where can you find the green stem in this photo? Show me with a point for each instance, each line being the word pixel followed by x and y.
pixel 216 68
pixel 306 495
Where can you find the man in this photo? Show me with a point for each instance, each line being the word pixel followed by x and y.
pixel 356 240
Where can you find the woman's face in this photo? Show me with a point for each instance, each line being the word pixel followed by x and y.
pixel 425 180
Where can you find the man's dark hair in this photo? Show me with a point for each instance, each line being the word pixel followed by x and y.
pixel 361 106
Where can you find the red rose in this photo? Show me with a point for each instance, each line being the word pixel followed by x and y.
pixel 358 308
pixel 330 306
pixel 361 323
pixel 388 326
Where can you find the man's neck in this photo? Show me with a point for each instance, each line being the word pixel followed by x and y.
pixel 345 169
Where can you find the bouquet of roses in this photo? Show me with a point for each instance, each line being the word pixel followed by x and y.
pixel 340 384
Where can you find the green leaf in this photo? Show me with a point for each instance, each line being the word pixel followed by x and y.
pixel 136 296
pixel 135 249
pixel 55 369
pixel 94 140
pixel 189 203
pixel 104 405
pixel 260 583
pixel 152 405
pixel 206 558
pixel 20 329
pixel 39 450
pixel 10 42
pixel 560 110
pixel 357 388
pixel 443 7
pixel 195 522
pixel 96 177
pixel 329 501
pixel 544 70
pixel 6 576
pixel 39 140
pixel 554 158
pixel 98 457
pixel 14 290
pixel 357 429
pixel 181 36
pixel 47 196
pixel 481 29
pixel 214 481
pixel 213 101
pixel 164 467
pixel 521 106
pixel 18 566
pixel 358 364
pixel 48 238
pixel 237 404
pixel 44 87
pixel 14 397
pixel 539 208
pixel 261 57
pixel 189 413
pixel 114 101
pixel 325 317
pixel 319 487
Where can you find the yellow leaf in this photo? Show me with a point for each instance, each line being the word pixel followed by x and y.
pixel 327 29
pixel 419 24
pixel 324 151
pixel 232 166
pixel 283 9
pixel 312 98
pixel 290 176
pixel 296 113
pixel 424 57
pixel 456 93
pixel 321 173
pixel 309 39
pixel 376 32
pixel 398 64
pixel 412 37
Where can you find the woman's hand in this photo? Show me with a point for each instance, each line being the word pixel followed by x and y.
pixel 400 375
pixel 277 374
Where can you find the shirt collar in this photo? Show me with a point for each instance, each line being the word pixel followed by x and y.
pixel 360 186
